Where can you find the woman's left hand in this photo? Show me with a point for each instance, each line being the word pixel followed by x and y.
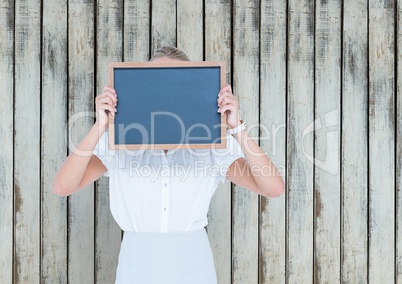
pixel 229 104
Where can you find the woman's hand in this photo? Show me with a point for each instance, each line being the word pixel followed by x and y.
pixel 229 104
pixel 105 104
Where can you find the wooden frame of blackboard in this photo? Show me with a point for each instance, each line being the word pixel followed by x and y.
pixel 138 66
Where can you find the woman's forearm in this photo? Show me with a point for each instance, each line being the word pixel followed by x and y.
pixel 70 174
pixel 262 168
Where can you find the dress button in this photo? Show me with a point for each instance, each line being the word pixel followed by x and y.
pixel 165 184
pixel 164 209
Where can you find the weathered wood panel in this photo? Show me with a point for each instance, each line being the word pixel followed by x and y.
pixel 286 71
pixel 354 142
pixel 163 23
pixel 381 142
pixel 300 141
pixel 54 141
pixel 327 233
pixel 217 47
pixel 272 229
pixel 107 232
pixel 81 211
pixel 6 140
pixel 190 28
pixel 246 87
pixel 398 110
pixel 27 142
pixel 136 30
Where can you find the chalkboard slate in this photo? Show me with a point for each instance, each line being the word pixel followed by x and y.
pixel 167 105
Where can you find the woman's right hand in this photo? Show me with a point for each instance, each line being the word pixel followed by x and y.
pixel 105 104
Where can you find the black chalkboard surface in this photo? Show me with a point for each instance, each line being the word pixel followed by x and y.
pixel 167 105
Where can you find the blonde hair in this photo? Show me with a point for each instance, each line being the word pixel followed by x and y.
pixel 170 52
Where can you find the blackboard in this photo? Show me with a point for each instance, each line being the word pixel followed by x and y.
pixel 167 105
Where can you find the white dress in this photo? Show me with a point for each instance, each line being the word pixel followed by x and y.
pixel 161 203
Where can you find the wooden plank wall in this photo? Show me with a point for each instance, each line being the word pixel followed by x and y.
pixel 319 84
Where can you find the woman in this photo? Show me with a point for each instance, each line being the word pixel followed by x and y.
pixel 163 215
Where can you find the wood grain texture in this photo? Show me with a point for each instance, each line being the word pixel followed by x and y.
pixel 272 229
pixel 54 141
pixel 107 232
pixel 136 30
pixel 354 142
pixel 81 247
pixel 27 142
pixel 381 142
pixel 163 23
pixel 327 193
pixel 398 110
pixel 217 47
pixel 246 87
pixel 300 142
pixel 280 60
pixel 6 140
pixel 190 28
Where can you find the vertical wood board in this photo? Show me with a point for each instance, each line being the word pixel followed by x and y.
pixel 354 154
pixel 54 141
pixel 107 232
pixel 136 30
pixel 398 110
pixel 246 87
pixel 163 24
pixel 190 28
pixel 381 142
pixel 217 47
pixel 327 236
pixel 27 142
pixel 272 230
pixel 6 140
pixel 81 228
pixel 300 142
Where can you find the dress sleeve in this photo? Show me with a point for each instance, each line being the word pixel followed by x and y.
pixel 223 158
pixel 103 153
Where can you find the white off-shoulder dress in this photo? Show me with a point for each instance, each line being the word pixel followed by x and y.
pixel 161 203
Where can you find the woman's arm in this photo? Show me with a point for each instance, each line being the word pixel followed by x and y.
pixel 256 172
pixel 81 168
